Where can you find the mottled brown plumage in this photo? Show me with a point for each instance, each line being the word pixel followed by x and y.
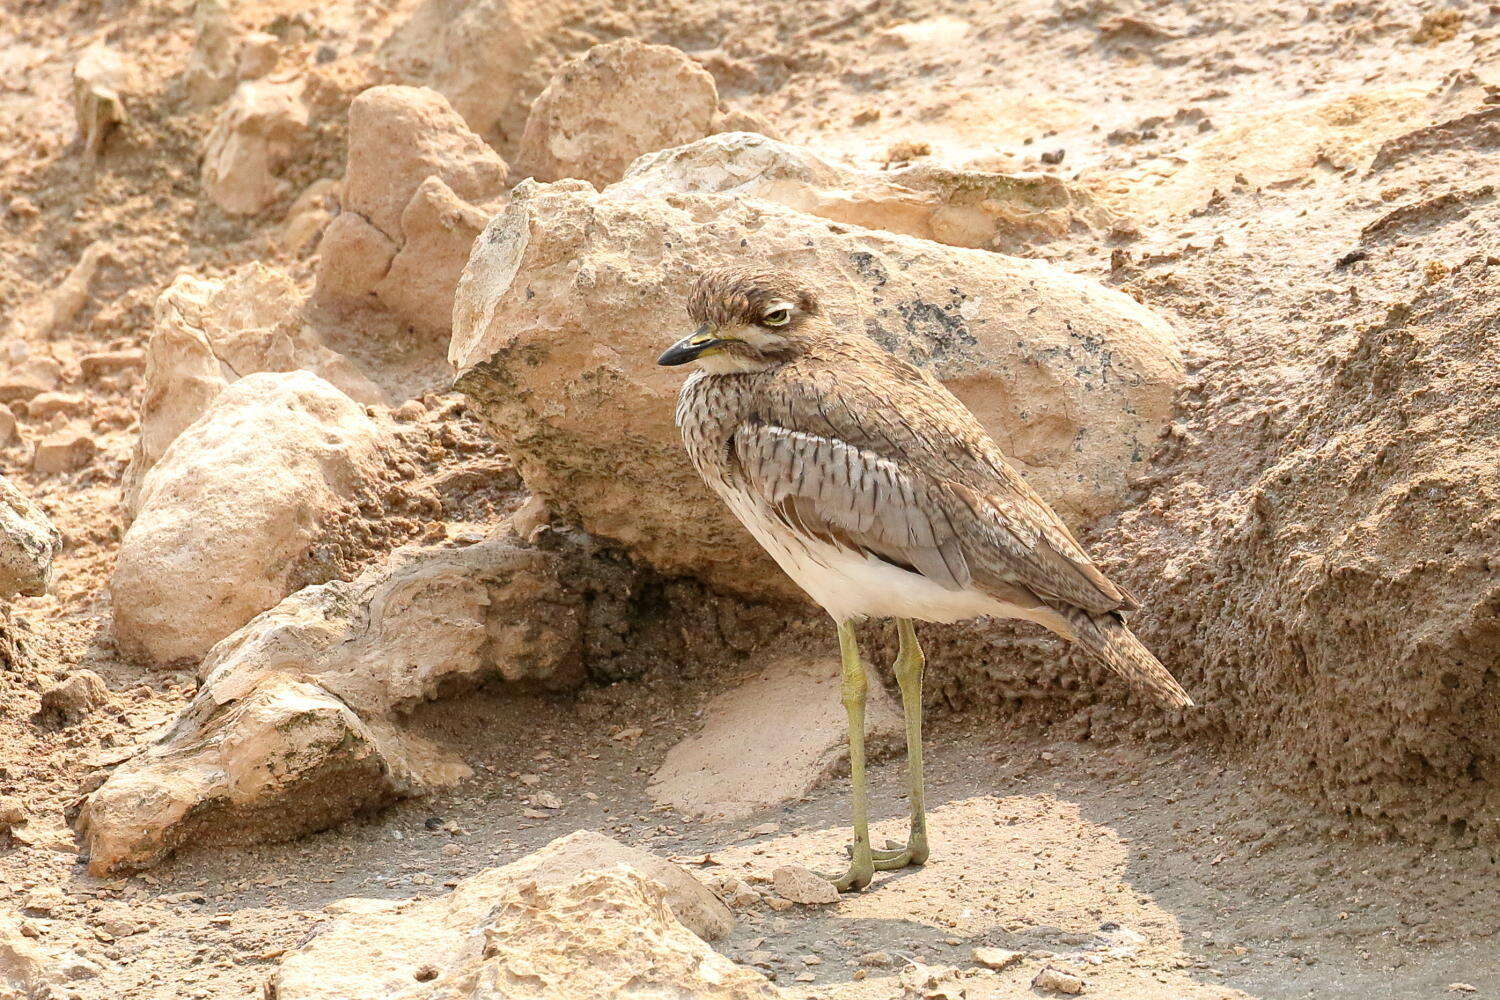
pixel 833 446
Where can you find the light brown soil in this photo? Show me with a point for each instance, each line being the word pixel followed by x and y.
pixel 1249 867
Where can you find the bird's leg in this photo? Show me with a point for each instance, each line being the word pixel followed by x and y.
pixel 909 665
pixel 862 866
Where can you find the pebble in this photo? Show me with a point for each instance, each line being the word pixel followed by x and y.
pixel 797 884
pixel 63 451
pixel 878 959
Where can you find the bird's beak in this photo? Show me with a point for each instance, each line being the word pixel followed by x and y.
pixel 689 348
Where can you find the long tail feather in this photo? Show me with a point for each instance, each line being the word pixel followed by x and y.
pixel 1107 637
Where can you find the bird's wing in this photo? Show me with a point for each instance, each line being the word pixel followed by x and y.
pixel 890 462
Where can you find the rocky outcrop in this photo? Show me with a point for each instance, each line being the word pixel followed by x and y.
pixel 965 208
pixel 547 921
pixel 610 105
pixel 570 295
pixel 235 500
pixel 258 133
pixel 414 177
pixel 295 727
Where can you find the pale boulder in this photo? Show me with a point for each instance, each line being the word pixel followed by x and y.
pixel 570 295
pixel 236 499
pixel 262 128
pixel 489 58
pixel 610 105
pixel 296 726
pixel 206 334
pixel 28 544
pixel 399 137
pixel 438 229
pixel 353 258
pixel 424 947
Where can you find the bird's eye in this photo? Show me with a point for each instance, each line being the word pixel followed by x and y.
pixel 777 317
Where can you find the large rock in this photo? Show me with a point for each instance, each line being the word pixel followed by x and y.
pixel 414 171
pixel 234 502
pixel 431 947
pixel 262 128
pixel 570 295
pixel 210 332
pixel 771 740
pixel 490 58
pixel 966 208
pixel 296 725
pixel 399 137
pixel 610 105
pixel 28 544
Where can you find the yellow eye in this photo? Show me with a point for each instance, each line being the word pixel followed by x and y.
pixel 777 317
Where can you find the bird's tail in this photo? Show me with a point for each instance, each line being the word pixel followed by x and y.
pixel 1107 637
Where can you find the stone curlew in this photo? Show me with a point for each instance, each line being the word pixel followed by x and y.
pixel 882 497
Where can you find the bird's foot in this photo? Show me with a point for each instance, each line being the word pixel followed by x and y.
pixel 895 855
pixel 856 878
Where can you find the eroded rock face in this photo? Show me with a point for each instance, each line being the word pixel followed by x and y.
pixel 965 208
pixel 256 134
pixel 560 910
pixel 233 502
pixel 610 105
pixel 28 544
pixel 296 725
pixel 414 174
pixel 570 296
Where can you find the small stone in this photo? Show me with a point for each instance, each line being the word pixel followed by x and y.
pixel 1058 980
pixel 628 733
pixel 877 959
pixel 530 780
pixel 73 698
pixel 778 903
pixel 763 830
pixel 799 885
pixel 12 813
pixel 75 967
pixel 762 959
pixel 111 362
pixel 47 901
pixel 1462 988
pixel 7 425
pixel 996 958
pixel 47 404
pixel 546 800
pixel 63 451
pixel 806 977
pixel 536 814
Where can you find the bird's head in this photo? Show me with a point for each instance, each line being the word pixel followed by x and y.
pixel 747 319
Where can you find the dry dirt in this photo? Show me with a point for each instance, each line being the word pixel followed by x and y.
pixel 1213 861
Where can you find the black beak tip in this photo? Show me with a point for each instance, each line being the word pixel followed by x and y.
pixel 677 354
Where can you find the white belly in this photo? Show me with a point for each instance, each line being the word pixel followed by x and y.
pixel 850 585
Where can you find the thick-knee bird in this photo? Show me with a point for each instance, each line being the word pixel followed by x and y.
pixel 882 496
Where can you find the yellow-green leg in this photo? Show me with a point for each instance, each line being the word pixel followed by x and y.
pixel 862 863
pixel 909 665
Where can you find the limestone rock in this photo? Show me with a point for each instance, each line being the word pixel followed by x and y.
pixel 399 137
pixel 210 74
pixel 770 741
pixel 353 257
pixel 28 544
pixel 73 698
pixel 294 728
pixel 255 135
pixel 29 378
pixel 100 76
pixel 438 229
pixel 966 208
pixel 24 967
pixel 489 58
pixel 610 105
pixel 208 333
pixel 570 295
pixel 231 505
pixel 799 885
pixel 544 907
pixel 64 450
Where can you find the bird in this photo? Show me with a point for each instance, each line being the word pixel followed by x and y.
pixel 882 497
